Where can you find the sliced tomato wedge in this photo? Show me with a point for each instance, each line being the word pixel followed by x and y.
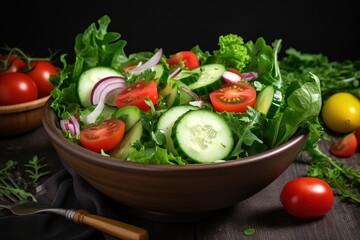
pixel 233 97
pixel 105 135
pixel 136 93
pixel 188 58
pixel 345 147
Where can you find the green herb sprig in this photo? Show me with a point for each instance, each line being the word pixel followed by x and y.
pixel 16 185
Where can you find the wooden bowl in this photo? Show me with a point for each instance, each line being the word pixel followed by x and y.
pixel 168 193
pixel 20 118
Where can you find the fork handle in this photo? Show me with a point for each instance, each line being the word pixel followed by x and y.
pixel 115 228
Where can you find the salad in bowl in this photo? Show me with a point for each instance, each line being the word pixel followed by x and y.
pixel 193 106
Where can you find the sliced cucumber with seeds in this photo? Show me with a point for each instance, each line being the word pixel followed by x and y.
pixel 187 77
pixel 202 136
pixel 129 114
pixel 268 101
pixel 166 122
pixel 161 75
pixel 122 150
pixel 210 78
pixel 89 78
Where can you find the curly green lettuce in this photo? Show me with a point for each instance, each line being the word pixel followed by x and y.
pixel 232 52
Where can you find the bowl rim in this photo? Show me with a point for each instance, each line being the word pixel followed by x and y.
pixel 25 106
pixel 52 127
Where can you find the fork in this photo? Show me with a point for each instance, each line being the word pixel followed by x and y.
pixel 112 227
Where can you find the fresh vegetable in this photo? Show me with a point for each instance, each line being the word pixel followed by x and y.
pixel 202 136
pixel 186 58
pixel 346 146
pixel 341 112
pixel 89 78
pixel 12 63
pixel 40 72
pixel 307 197
pixel 357 134
pixel 17 87
pixel 136 93
pixel 233 97
pixel 103 136
pixel 268 101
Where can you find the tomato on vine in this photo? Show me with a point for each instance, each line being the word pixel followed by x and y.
pixel 40 72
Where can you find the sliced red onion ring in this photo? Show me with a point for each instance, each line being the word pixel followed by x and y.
pixel 91 117
pixel 231 77
pixel 199 103
pixel 175 73
pixel 104 86
pixel 149 64
pixel 191 93
pixel 71 125
pixel 250 75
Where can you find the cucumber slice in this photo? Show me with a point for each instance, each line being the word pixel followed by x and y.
pixel 89 78
pixel 187 77
pixel 129 114
pixel 268 101
pixel 161 75
pixel 166 122
pixel 210 78
pixel 122 150
pixel 202 136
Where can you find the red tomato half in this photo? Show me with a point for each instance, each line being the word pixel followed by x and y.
pixel 16 87
pixel 40 72
pixel 345 147
pixel 105 135
pixel 136 93
pixel 13 64
pixel 307 197
pixel 233 97
pixel 188 58
pixel 357 134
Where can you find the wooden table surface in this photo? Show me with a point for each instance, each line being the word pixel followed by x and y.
pixel 263 211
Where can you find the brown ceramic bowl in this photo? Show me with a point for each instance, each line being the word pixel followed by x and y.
pixel 21 118
pixel 173 193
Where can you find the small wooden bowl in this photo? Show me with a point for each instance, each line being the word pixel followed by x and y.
pixel 20 118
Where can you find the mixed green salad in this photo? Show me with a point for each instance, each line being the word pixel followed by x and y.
pixel 180 123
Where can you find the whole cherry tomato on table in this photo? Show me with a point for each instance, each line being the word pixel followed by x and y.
pixel 307 197
pixel 40 72
pixel 345 147
pixel 17 87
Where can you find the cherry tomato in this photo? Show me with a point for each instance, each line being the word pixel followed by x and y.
pixel 345 147
pixel 188 58
pixel 233 97
pixel 341 112
pixel 307 197
pixel 357 134
pixel 12 63
pixel 105 135
pixel 40 72
pixel 17 87
pixel 136 93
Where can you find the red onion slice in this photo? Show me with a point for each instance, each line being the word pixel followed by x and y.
pixel 149 64
pixel 71 125
pixel 91 117
pixel 175 73
pixel 231 77
pixel 249 75
pixel 104 86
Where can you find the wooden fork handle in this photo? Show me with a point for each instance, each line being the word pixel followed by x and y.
pixel 115 228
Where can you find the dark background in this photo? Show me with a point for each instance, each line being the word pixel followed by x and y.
pixel 327 27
